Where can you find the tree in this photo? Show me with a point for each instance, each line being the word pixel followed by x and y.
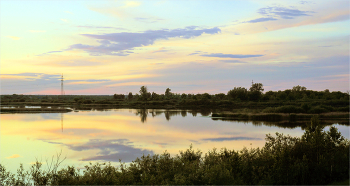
pixel 118 96
pixel 256 87
pixel 144 94
pixel 298 88
pixel 154 96
pixel 167 92
pixel 143 91
pixel 255 91
pixel 130 96
pixel 238 93
pixel 220 96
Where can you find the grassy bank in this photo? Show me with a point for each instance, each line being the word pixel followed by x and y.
pixel 317 157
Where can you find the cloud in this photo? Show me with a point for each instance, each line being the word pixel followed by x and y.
pixel 103 27
pixel 262 19
pixel 31 76
pixel 197 52
pixel 74 63
pixel 148 19
pixel 230 139
pixel 13 156
pixel 91 81
pixel 162 49
pixel 306 2
pixel 194 53
pixel 13 37
pixel 221 55
pixel 118 44
pixel 68 12
pixel 64 20
pixel 50 52
pixel 283 12
pixel 111 150
pixel 232 61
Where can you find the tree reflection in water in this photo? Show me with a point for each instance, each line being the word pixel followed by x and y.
pixel 143 113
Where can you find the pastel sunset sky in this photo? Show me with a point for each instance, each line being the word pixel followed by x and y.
pixel 108 47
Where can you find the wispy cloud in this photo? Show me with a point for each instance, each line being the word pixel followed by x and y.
pixel 100 27
pixel 120 44
pixel 13 37
pixel 231 139
pixel 162 49
pixel 64 20
pixel 13 156
pixel 306 2
pixel 148 19
pixel 232 61
pixel 50 52
pixel 283 12
pixel 68 12
pixel 197 52
pixel 92 81
pixel 221 55
pixel 262 19
pixel 273 13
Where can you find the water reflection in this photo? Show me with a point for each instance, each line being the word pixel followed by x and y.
pixel 285 123
pixel 117 134
pixel 143 113
pixel 62 121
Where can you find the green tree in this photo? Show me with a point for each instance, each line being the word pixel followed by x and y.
pixel 155 96
pixel 257 87
pixel 298 88
pixel 130 96
pixel 144 94
pixel 255 91
pixel 168 93
pixel 238 93
pixel 220 96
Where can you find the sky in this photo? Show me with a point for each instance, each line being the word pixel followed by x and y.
pixel 115 47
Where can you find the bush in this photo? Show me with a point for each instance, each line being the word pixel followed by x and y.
pixel 87 101
pixel 269 110
pixel 289 109
pixel 318 110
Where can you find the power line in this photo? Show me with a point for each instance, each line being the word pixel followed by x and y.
pixel 62 92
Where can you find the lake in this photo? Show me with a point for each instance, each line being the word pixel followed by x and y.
pixel 109 135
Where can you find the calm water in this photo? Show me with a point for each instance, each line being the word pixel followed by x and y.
pixel 110 135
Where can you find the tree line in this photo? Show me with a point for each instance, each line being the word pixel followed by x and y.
pixel 255 93
pixel 295 100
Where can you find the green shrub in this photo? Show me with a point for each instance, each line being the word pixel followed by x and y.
pixel 289 109
pixel 269 110
pixel 318 110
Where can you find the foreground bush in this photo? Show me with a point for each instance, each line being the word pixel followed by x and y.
pixel 318 157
